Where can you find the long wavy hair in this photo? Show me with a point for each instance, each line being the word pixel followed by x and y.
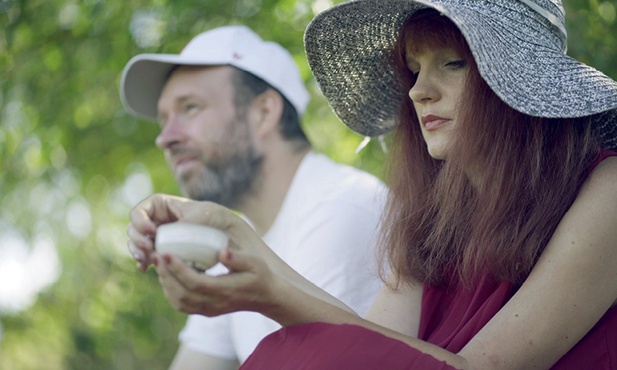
pixel 441 228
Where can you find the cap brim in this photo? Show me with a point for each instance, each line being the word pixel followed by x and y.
pixel 144 77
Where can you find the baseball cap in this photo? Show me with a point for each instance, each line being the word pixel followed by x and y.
pixel 144 76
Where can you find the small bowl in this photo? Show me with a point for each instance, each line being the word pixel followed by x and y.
pixel 194 244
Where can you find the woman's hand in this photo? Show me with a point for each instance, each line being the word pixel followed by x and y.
pixel 258 280
pixel 247 286
pixel 144 219
pixel 159 209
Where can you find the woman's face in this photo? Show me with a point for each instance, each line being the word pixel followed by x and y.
pixel 439 76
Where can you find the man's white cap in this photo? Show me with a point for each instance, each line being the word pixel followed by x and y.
pixel 145 75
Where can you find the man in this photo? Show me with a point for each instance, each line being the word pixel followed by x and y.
pixel 229 107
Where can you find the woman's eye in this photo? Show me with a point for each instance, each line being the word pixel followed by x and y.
pixel 413 72
pixel 456 64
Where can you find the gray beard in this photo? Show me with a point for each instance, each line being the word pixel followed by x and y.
pixel 228 183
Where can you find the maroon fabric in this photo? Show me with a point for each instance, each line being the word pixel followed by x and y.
pixel 321 346
pixel 450 319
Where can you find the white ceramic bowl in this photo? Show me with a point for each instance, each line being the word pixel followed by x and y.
pixel 195 244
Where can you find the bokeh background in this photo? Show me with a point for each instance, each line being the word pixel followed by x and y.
pixel 73 163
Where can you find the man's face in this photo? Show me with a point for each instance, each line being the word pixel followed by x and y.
pixel 207 141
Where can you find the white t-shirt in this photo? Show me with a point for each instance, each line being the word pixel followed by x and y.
pixel 326 230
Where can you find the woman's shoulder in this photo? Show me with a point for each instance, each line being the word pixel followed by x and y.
pixel 598 194
pixel 603 173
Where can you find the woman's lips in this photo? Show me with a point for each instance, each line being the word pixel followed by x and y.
pixel 432 122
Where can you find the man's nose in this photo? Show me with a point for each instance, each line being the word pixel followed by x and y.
pixel 172 131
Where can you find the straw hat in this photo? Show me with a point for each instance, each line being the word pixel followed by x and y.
pixel 518 45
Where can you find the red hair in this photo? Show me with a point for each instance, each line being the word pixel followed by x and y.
pixel 437 225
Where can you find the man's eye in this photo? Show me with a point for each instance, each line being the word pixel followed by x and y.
pixel 190 109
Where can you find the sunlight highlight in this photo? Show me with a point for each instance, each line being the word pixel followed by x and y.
pixel 25 271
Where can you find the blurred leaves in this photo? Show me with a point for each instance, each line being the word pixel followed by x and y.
pixel 73 162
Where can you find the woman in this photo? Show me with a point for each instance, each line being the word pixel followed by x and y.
pixel 500 235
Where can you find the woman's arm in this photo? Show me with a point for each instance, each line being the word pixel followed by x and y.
pixel 259 281
pixel 571 287
pixel 398 308
pixel 259 267
pixel 282 301
pixel 573 284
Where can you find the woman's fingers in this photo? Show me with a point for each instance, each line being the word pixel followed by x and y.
pixel 249 277
pixel 181 284
pixel 192 292
pixel 159 209
pixel 144 219
pixel 155 210
pixel 140 245
pixel 143 261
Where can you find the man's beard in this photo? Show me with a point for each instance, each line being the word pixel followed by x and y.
pixel 231 176
pixel 227 183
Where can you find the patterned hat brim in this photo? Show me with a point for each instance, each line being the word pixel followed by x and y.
pixel 348 48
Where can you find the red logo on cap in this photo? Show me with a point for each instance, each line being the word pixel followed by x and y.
pixel 236 56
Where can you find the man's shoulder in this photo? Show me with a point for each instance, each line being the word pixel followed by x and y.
pixel 321 170
pixel 322 180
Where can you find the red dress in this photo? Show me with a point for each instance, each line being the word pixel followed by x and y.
pixel 450 318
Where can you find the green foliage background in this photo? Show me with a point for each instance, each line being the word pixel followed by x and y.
pixel 73 162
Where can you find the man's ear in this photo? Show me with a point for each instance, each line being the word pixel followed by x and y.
pixel 267 109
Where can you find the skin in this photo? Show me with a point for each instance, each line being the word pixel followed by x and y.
pixel 572 285
pixel 440 77
pixel 540 323
pixel 218 153
pixel 207 143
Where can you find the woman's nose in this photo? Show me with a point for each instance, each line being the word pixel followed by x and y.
pixel 423 89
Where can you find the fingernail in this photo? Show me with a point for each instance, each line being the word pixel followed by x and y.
pixel 167 259
pixel 229 254
pixel 155 260
pixel 138 256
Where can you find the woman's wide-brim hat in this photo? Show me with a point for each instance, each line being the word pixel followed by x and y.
pixel 519 47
